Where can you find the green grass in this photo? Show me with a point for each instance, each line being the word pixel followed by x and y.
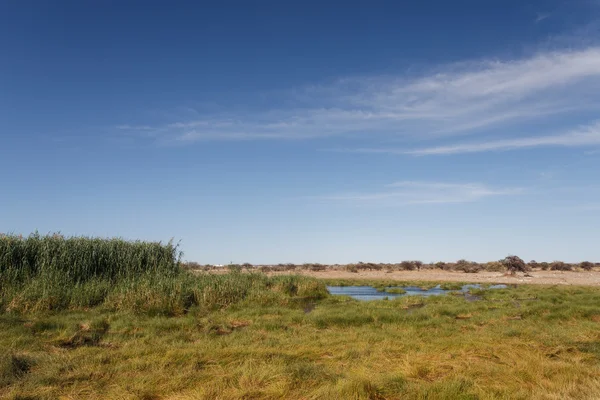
pixel 80 259
pixel 106 318
pixel 51 273
pixel 378 283
pixel 394 290
pixel 529 342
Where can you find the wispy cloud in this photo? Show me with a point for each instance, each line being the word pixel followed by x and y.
pixel 472 97
pixel 541 16
pixel 584 136
pixel 415 192
pixel 128 127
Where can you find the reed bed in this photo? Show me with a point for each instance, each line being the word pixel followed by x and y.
pixel 52 272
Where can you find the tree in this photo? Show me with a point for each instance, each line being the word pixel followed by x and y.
pixel 407 266
pixel 514 264
pixel 440 265
pixel 560 266
pixel 417 264
pixel 586 265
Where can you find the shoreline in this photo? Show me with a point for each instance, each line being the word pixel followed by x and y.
pixel 587 278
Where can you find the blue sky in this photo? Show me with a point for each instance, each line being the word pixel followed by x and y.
pixel 273 131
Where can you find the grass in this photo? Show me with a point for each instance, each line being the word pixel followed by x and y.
pixel 519 343
pixel 394 290
pixel 379 283
pixel 51 273
pixel 96 319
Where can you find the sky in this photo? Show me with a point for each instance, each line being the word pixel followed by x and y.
pixel 306 131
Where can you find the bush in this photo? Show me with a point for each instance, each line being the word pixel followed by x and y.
pixel 494 266
pixel 467 266
pixel 351 268
pixel 514 264
pixel 407 266
pixel 560 266
pixel 440 265
pixel 586 265
pixel 314 267
pixel 191 265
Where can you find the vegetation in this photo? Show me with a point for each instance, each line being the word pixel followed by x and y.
pixel 519 343
pixel 107 318
pixel 395 290
pixel 458 266
pixel 44 273
pixel 586 266
pixel 514 264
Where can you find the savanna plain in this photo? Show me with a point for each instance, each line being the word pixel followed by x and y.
pixel 88 318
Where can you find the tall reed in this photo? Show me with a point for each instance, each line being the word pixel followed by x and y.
pixel 53 273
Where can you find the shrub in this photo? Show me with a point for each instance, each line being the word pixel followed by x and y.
pixel 494 266
pixel 440 265
pixel 191 265
pixel 586 265
pixel 315 267
pixel 407 266
pixel 514 264
pixel 467 266
pixel 351 268
pixel 560 266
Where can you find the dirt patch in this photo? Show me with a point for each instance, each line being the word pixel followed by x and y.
pixel 536 277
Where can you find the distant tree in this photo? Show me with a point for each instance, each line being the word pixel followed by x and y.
pixel 586 265
pixel 317 267
pixel 191 265
pixel 514 264
pixel 467 266
pixel 440 265
pixel 290 266
pixel 407 266
pixel 533 264
pixel 560 266
pixel 352 268
pixel 417 264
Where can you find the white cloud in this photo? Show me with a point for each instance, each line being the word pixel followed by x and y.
pixel 541 16
pixel 584 136
pixel 458 99
pixel 413 192
pixel 127 127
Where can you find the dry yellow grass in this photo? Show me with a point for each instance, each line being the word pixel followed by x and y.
pixel 523 343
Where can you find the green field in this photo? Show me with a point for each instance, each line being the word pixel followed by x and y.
pixel 162 333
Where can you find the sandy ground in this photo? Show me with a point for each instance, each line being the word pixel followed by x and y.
pixel 538 277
